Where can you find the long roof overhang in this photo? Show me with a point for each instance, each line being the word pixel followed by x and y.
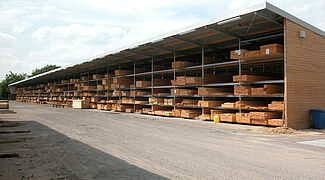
pixel 222 31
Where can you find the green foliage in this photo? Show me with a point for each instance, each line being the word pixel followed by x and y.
pixel 43 70
pixel 14 77
pixel 10 78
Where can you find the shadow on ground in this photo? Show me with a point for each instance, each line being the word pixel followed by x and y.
pixel 6 111
pixel 48 154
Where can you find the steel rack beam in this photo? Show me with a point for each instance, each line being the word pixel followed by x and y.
pixel 219 29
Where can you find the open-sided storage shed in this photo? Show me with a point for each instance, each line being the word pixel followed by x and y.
pixel 208 49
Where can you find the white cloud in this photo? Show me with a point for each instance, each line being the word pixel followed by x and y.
pixel 48 8
pixel 78 32
pixel 7 40
pixel 8 59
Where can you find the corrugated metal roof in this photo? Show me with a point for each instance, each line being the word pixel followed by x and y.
pixel 217 30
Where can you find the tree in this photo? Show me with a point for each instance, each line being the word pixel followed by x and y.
pixel 43 70
pixel 10 78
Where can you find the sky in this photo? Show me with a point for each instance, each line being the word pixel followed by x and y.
pixel 36 33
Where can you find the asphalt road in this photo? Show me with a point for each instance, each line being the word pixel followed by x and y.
pixel 67 143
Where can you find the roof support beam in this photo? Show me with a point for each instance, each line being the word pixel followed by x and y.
pixel 194 42
pixel 162 48
pixel 219 29
pixel 166 49
pixel 139 53
pixel 269 17
pixel 187 40
pixel 119 57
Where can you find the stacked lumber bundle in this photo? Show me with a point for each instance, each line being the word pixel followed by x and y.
pixel 228 117
pixel 120 83
pixel 217 112
pixel 4 104
pixel 184 80
pixel 129 110
pixel 163 113
pixel 177 112
pixel 140 84
pixel 190 113
pixel 183 92
pixel 104 106
pixel 181 64
pixel 120 107
pixel 155 100
pixel 107 82
pixel 85 78
pixel 139 93
pixel 210 103
pixel 243 118
pixel 205 117
pixel 250 104
pixel 238 54
pixel 125 93
pixel 248 78
pixel 122 72
pixel 126 100
pixel 93 106
pixel 275 122
pixel 271 49
pixel 117 93
pixel 64 81
pixel 88 94
pixel 98 76
pixel 265 50
pixel 211 91
pixel 94 99
pixel 262 118
pixel 267 89
pixel 101 87
pixel 276 105
pixel 73 81
pixel 242 90
pixel 169 102
pixel 252 54
pixel 188 102
pixel 147 111
pixel 141 102
pixel 228 105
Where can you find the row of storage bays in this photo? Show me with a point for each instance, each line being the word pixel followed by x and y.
pixel 228 114
pixel 247 87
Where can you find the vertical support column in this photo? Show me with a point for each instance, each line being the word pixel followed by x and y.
pixel 119 97
pixel 88 85
pixel 239 69
pixel 107 92
pixel 68 92
pixel 97 84
pixel 134 83
pixel 202 75
pixel 152 63
pixel 174 88
pixel 81 95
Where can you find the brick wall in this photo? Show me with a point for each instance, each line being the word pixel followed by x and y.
pixel 305 74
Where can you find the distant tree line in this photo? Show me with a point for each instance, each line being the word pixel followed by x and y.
pixel 15 77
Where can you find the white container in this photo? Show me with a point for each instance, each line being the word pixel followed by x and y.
pixel 80 104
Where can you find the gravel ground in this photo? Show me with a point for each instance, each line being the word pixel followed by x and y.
pixel 65 143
